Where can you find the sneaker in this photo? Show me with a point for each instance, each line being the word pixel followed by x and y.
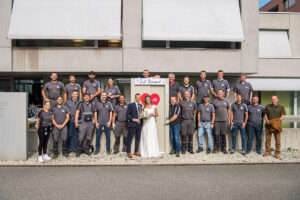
pixel 183 152
pixel 96 152
pixel 77 154
pixel 46 157
pixel 172 152
pixel 108 152
pixel 66 155
pixel 200 149
pixel 248 152
pixel 191 152
pixel 40 159
pixel 55 156
pixel 177 154
pixel 232 151
pixel 243 153
pixel 259 153
pixel 116 152
pixel 215 150
pixel 208 151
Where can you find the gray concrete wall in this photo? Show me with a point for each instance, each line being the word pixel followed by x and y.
pixel 13 126
pixel 5 44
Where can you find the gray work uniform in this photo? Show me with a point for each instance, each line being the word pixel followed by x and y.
pixel 60 115
pixel 72 105
pixel 239 111
pixel 54 90
pixel 244 89
pixel 206 112
pixel 46 116
pixel 202 88
pixel 218 84
pixel 86 126
pixel 114 90
pixel 69 88
pixel 173 89
pixel 187 124
pixel 103 110
pixel 221 122
pixel 187 116
pixel 182 89
pixel 255 115
pixel 121 126
pixel 92 88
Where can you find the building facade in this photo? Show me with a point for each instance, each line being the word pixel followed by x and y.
pixel 161 36
pixel 281 6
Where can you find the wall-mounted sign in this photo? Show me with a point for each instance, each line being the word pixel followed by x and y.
pixel 150 81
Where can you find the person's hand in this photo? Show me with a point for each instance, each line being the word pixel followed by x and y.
pixel 114 126
pixel 97 125
pixel 136 120
pixel 267 121
pixel 231 123
pixel 244 125
pixel 199 125
pixel 92 96
pixel 59 127
pixel 76 124
pixel 108 124
pixel 167 122
pixel 46 99
pixel 211 126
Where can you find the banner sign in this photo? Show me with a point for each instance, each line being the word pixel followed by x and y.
pixel 150 81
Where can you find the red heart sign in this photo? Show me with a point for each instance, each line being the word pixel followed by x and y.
pixel 154 97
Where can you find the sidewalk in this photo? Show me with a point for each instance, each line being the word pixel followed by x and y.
pixel 103 159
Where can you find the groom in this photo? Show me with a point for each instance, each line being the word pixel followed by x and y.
pixel 134 125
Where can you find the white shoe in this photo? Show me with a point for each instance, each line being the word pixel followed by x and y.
pixel 40 159
pixel 46 157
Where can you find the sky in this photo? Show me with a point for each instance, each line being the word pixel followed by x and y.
pixel 263 2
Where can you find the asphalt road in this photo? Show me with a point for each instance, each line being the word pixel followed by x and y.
pixel 181 182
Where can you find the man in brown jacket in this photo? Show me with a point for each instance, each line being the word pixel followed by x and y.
pixel 274 115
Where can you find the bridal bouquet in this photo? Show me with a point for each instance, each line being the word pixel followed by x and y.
pixel 143 115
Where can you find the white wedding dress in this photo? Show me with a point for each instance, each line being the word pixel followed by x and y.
pixel 149 142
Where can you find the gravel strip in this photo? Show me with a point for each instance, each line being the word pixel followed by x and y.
pixel 165 159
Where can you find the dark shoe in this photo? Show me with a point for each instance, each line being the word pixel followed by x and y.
pixel 232 151
pixel 77 154
pixel 55 156
pixel 116 152
pixel 96 152
pixel 87 151
pixel 108 151
pixel 183 152
pixel 243 153
pixel 258 152
pixel 177 154
pixel 191 152
pixel 208 151
pixel 225 151
pixel 172 152
pixel 248 152
pixel 200 149
pixel 66 155
pixel 215 150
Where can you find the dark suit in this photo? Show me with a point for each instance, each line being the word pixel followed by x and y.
pixel 133 127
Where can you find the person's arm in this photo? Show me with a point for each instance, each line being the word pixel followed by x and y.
pixel 114 117
pixel 229 115
pixel 54 123
pixel 156 76
pixel 199 119
pixel 246 119
pixel 155 113
pixel 66 121
pixel 65 96
pixel 231 119
pixel 76 118
pixel 173 118
pixel 110 118
pixel 96 120
pixel 96 94
pixel 235 94
pixel 213 115
pixel 251 95
pixel 282 117
pixel 44 95
pixel 37 123
pixel 227 94
pixel 266 118
pixel 128 113
pixel 179 96
pixel 83 90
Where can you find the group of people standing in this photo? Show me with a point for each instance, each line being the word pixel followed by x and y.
pixel 215 118
pixel 74 115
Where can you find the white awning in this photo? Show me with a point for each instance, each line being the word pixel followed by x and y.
pixel 192 20
pixel 274 44
pixel 66 19
pixel 275 84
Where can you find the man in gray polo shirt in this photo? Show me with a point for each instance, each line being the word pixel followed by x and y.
pixel 220 84
pixel 244 88
pixel 186 87
pixel 72 130
pixel 92 86
pixel 239 118
pixel 256 113
pixel 60 118
pixel 206 119
pixel 72 85
pixel 120 124
pixel 222 121
pixel 188 111
pixel 173 86
pixel 54 89
pixel 103 118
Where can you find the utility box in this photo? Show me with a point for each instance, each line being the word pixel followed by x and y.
pixel 158 89
pixel 13 126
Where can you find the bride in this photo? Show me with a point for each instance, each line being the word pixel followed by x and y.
pixel 149 142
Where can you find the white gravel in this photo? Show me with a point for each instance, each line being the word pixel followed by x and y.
pixel 166 159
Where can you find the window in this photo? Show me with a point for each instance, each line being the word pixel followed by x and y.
pixel 68 43
pixel 33 87
pixel 289 4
